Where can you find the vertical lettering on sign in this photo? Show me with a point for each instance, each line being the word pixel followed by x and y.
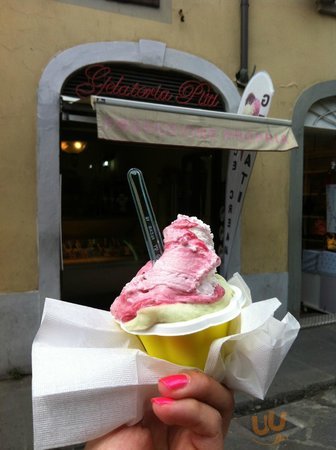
pixel 255 101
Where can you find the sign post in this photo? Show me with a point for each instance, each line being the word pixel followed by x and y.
pixel 256 101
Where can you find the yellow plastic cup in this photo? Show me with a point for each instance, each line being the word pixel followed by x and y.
pixel 187 343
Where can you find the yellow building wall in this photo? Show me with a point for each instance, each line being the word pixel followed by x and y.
pixel 293 42
pixel 288 39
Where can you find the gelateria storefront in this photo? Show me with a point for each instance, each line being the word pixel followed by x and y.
pixel 166 112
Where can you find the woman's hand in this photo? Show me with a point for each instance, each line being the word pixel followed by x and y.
pixel 193 413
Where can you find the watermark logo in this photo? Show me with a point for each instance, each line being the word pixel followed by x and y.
pixel 271 427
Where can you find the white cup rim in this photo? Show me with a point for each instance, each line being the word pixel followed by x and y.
pixel 230 312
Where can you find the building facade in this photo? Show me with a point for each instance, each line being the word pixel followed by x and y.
pixel 47 44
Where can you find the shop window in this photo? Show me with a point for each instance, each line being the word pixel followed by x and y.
pixel 320 155
pixel 151 3
pixel 102 242
pixel 318 242
pixel 157 10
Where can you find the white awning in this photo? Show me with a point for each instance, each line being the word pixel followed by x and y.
pixel 124 120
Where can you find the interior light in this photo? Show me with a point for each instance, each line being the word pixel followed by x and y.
pixel 105 163
pixel 73 146
pixel 78 145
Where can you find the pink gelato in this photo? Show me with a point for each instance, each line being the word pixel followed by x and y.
pixel 184 274
pixel 252 106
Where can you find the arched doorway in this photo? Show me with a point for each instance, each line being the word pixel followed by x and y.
pixel 146 53
pixel 313 130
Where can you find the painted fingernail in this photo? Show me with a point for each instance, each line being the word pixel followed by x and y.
pixel 175 381
pixel 162 401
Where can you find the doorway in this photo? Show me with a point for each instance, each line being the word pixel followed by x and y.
pixel 143 53
pixel 102 242
pixel 311 282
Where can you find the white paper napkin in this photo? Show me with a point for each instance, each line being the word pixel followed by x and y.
pixel 90 377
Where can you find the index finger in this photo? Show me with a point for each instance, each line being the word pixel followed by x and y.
pixel 198 385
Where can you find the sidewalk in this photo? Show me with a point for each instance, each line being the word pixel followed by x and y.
pixel 304 424
pixel 303 394
pixel 309 366
pixel 308 369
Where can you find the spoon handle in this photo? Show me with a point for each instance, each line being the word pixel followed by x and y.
pixel 143 205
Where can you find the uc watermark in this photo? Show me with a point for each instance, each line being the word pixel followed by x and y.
pixel 269 425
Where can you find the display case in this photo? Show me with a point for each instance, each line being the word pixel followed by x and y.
pixel 102 247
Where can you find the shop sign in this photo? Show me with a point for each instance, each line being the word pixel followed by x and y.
pixel 256 101
pixel 100 80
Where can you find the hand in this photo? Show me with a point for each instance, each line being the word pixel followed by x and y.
pixel 193 413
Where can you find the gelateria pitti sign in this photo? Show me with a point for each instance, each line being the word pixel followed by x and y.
pixel 102 80
pixel 129 121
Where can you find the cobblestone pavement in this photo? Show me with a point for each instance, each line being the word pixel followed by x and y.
pixel 308 423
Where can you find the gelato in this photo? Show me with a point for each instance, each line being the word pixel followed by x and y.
pixel 181 285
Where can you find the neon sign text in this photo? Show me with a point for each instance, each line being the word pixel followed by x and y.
pixel 100 80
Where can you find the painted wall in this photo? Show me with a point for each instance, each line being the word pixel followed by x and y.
pixel 294 43
pixel 289 39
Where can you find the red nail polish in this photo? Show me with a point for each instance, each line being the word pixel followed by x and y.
pixel 162 400
pixel 175 381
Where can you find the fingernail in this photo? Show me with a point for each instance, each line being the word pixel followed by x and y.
pixel 162 400
pixel 175 381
